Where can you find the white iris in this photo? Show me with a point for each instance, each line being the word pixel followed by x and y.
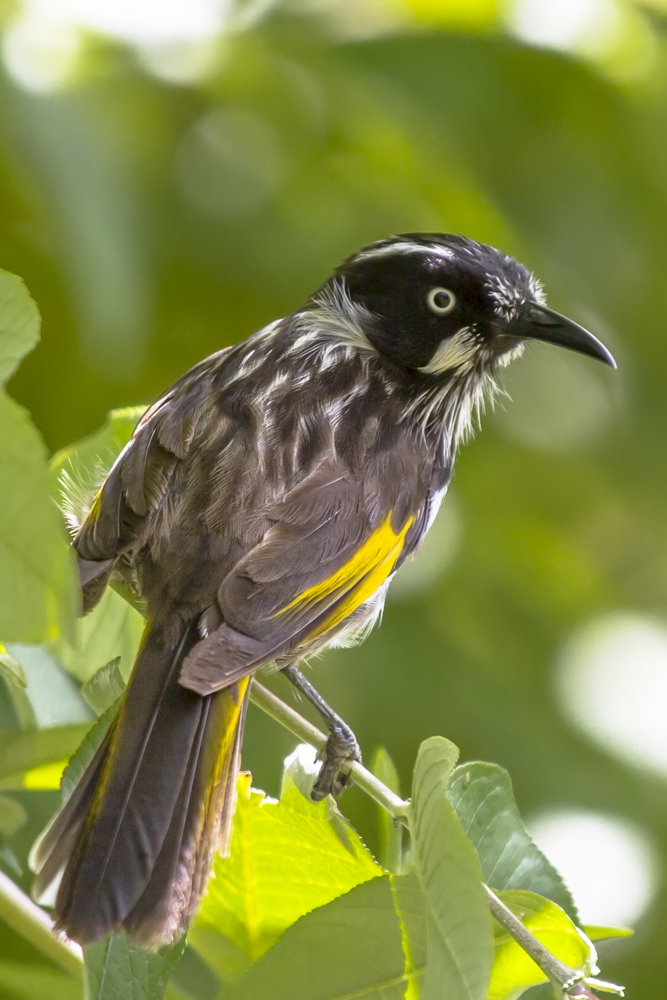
pixel 441 301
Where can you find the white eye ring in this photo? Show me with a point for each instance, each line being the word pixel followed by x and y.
pixel 441 301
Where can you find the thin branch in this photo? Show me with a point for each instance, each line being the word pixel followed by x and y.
pixel 32 923
pixel 559 974
pixel 29 920
pixel 568 983
pixel 305 731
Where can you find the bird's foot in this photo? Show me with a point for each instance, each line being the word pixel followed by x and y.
pixel 341 748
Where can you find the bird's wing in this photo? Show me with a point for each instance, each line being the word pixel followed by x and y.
pixel 140 477
pixel 333 542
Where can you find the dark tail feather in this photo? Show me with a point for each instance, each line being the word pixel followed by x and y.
pixel 139 832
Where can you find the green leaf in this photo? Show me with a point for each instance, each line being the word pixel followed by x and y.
pixel 286 858
pixel 482 796
pixel 19 323
pixel 21 751
pixel 117 970
pixel 459 925
pixel 12 815
pixel 36 982
pixel 37 582
pixel 513 970
pixel 113 629
pixel 194 977
pixel 105 687
pixel 55 699
pixel 85 751
pixel 391 834
pixel 8 859
pixel 411 908
pixel 11 669
pixel 348 948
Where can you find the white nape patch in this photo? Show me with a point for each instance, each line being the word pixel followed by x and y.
pixel 335 317
pixel 458 352
pixel 399 249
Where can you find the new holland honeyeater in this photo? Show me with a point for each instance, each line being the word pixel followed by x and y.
pixel 261 510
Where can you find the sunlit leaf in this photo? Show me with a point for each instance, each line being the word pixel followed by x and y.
pixel 598 933
pixel 513 971
pixel 117 970
pixel 286 858
pixel 348 948
pixel 19 323
pixel 47 776
pixel 482 796
pixel 459 925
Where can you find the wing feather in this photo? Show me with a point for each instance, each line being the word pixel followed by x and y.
pixel 333 543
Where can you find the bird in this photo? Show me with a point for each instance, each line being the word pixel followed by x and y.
pixel 260 511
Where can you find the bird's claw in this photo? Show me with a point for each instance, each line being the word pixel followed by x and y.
pixel 340 748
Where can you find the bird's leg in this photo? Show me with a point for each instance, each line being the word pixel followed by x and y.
pixel 341 746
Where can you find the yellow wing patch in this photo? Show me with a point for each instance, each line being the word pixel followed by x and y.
pixel 358 579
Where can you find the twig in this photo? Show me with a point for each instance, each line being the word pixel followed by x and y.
pixel 29 920
pixel 305 731
pixel 568 983
pixel 32 923
pixel 560 975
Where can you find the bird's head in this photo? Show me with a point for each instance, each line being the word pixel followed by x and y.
pixel 446 305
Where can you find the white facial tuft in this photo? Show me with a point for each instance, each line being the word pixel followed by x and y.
pixel 457 353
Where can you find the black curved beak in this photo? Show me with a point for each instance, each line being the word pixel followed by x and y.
pixel 540 323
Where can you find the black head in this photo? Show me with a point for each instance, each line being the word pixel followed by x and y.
pixel 441 304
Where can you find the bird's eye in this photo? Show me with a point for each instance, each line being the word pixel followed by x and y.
pixel 440 301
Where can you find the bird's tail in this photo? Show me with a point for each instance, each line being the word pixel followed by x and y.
pixel 135 841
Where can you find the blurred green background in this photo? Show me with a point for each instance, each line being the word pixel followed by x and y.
pixel 174 175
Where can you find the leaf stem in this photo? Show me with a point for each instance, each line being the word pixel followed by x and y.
pixel 32 923
pixel 306 731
